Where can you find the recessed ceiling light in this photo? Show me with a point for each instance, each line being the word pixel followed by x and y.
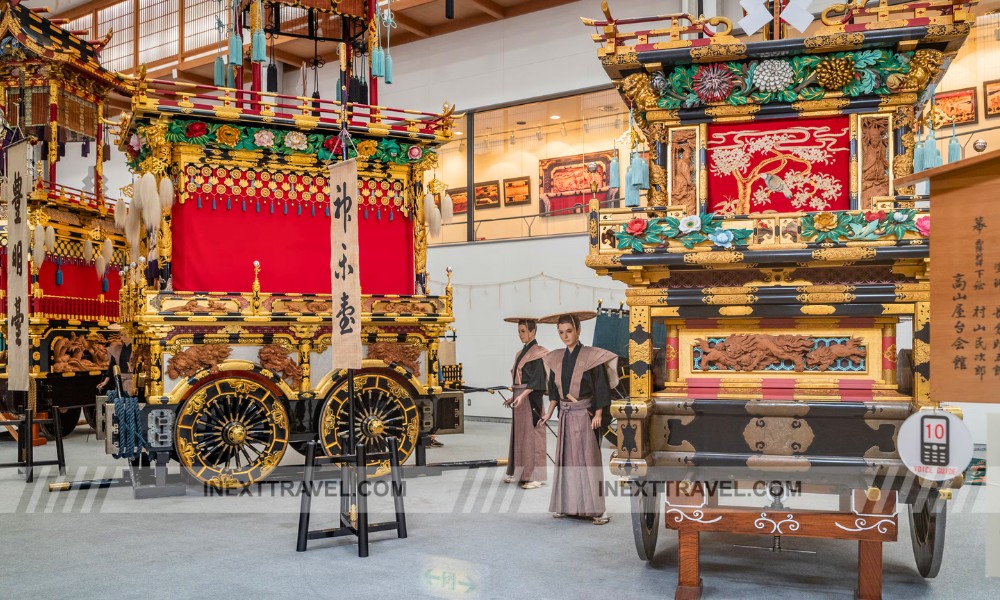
pixel 554 117
pixel 459 133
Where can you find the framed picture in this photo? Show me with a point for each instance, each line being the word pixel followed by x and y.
pixel 459 200
pixel 517 191
pixel 958 107
pixel 991 98
pixel 488 194
pixel 566 184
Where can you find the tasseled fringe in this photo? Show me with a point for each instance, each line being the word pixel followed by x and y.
pixel 447 209
pixel 38 247
pixel 101 266
pixel 432 215
pixel 88 251
pixel 166 194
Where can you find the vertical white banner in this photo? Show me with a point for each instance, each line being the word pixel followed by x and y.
pixel 344 268
pixel 15 193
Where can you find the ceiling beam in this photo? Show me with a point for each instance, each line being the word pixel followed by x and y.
pixel 491 8
pixel 413 26
pixel 288 58
pixel 399 5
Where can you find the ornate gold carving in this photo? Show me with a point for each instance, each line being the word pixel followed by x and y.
pixel 824 105
pixel 683 169
pixel 730 299
pixel 924 67
pixel 188 362
pixel 274 357
pixel 407 355
pixel 636 88
pixel 844 254
pixel 754 351
pixel 818 309
pixel 77 354
pixel 713 258
pixel 279 416
pixel 836 40
pixel 718 51
pixel 726 110
pixel 210 306
pixel 821 298
pixel 729 311
pixel 826 355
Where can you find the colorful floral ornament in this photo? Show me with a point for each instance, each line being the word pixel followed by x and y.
pixel 722 237
pixel 825 221
pixel 713 82
pixel 773 75
pixel 296 140
pixel 833 73
pixel 227 135
pixel 924 225
pixel 636 227
pixel 689 223
pixel 415 152
pixel 367 148
pixel 196 130
pixel 264 138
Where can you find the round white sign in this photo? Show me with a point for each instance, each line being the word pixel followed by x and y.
pixel 935 445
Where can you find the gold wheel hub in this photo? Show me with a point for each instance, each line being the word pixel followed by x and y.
pixel 235 434
pixel 375 427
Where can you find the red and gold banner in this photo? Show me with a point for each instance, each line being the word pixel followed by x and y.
pixel 786 165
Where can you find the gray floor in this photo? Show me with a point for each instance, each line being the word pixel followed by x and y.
pixel 471 536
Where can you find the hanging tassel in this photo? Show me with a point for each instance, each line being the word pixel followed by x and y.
pixel 230 76
pixel 447 209
pixel 59 273
pixel 272 207
pixel 121 213
pixel 104 285
pixel 220 72
pixel 101 266
pixel 235 50
pixel 229 203
pixel 378 213
pixel 432 216
pixel 88 251
pixel 38 248
pixel 932 155
pixel 918 155
pixel 391 214
pixel 312 209
pixel 258 47
pixel 954 147
pixel 213 203
pixel 327 211
pixel 166 194
pixel 257 206
pixel 614 176
pixel 133 226
pixel 285 204
pixel 631 196
pixel 85 148
pixel 378 62
pixel 299 210
pixel 107 251
pixel 50 238
pixel 272 78
pixel 366 213
pixel 388 68
pixel 150 203
pixel 199 201
pixel 642 175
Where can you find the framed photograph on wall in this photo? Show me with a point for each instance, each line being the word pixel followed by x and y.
pixel 488 194
pixel 459 200
pixel 566 184
pixel 517 191
pixel 991 98
pixel 958 107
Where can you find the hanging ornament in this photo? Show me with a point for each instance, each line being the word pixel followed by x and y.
pixel 166 194
pixel 258 42
pixel 389 21
pixel 219 78
pixel 614 175
pixel 272 78
pixel 101 266
pixel 107 251
pixel 150 202
pixel 431 215
pixel 104 284
pixel 88 251
pixel 447 209
pixel 954 146
pixel 59 273
pixel 38 247
pixel 918 154
pixel 50 238
pixel 235 48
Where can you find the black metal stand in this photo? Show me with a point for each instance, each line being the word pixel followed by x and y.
pixel 25 432
pixel 354 491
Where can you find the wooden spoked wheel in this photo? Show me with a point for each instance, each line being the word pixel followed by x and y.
pixel 384 406
pixel 645 520
pixel 928 520
pixel 904 372
pixel 231 432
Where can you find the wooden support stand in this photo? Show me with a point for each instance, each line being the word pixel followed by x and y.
pixel 25 443
pixel 870 523
pixel 354 491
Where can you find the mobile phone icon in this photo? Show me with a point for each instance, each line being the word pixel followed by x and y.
pixel 934 441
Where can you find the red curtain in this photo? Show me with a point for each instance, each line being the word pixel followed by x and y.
pixel 78 281
pixel 214 248
pixel 784 165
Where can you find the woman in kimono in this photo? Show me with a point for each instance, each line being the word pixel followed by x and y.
pixel 526 461
pixel 580 380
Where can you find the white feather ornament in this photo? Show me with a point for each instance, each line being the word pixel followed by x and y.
pixel 432 216
pixel 447 209
pixel 107 251
pixel 101 266
pixel 88 251
pixel 166 194
pixel 133 225
pixel 121 214
pixel 50 238
pixel 150 204
pixel 38 249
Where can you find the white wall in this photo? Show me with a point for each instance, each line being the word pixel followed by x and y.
pixel 485 292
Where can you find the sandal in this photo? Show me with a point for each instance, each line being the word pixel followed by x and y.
pixel 603 519
pixel 558 515
pixel 508 479
pixel 531 485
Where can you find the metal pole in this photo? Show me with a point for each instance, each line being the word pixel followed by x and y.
pixel 470 177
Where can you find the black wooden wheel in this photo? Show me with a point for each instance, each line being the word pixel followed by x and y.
pixel 90 416
pixel 232 431
pixel 645 520
pixel 904 372
pixel 385 405
pixel 66 421
pixel 928 520
pixel 609 424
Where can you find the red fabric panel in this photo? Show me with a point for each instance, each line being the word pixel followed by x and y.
pixel 214 249
pixel 79 281
pixel 784 165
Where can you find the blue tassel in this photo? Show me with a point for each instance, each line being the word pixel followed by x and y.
pixel 220 72
pixel 327 211
pixel 229 204
pixel 244 206
pixel 954 147
pixel 390 215
pixel 258 207
pixel 199 201
pixel 932 156
pixel 299 212
pixel 213 203
pixel 104 284
pixel 59 274
pixel 230 76
pixel 918 155
pixel 631 196
pixel 258 47
pixel 312 209
pixel 614 177
pixel 378 214
pixel 388 69
pixel 272 208
pixel 366 213
pixel 286 208
pixel 235 50
pixel 642 172
pixel 378 62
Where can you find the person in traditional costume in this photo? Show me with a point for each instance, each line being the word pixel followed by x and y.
pixel 526 460
pixel 120 351
pixel 580 380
